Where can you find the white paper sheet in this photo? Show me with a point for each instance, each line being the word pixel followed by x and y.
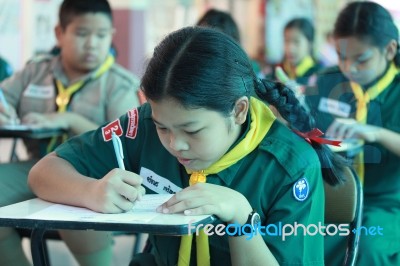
pixel 143 211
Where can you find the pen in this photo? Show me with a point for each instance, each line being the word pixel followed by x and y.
pixel 118 150
pixel 119 153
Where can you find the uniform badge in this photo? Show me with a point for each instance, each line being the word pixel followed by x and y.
pixel 301 189
pixel 108 129
pixel 133 118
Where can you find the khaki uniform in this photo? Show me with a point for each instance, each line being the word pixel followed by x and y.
pixel 99 100
pixel 33 90
pixel 267 177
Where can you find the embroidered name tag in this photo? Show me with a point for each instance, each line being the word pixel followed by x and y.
pixel 133 117
pixel 157 183
pixel 37 91
pixel 334 107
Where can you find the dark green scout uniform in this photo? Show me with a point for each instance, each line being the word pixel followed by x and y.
pixel 382 167
pixel 266 177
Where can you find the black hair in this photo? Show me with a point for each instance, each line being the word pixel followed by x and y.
pixel 203 68
pixel 222 21
pixel 370 22
pixel 305 26
pixel 71 8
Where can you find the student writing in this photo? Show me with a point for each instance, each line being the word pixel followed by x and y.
pixel 202 137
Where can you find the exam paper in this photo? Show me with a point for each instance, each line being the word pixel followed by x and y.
pixel 143 212
pixel 150 202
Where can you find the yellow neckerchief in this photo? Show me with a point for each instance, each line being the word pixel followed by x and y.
pixel 64 94
pixel 300 69
pixel 363 100
pixel 261 121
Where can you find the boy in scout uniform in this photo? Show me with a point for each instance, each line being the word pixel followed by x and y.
pixel 202 137
pixel 359 100
pixel 77 91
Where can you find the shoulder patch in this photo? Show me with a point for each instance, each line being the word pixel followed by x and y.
pixel 301 189
pixel 133 123
pixel 109 128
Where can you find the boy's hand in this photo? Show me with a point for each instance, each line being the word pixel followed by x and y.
pixel 203 198
pixel 116 192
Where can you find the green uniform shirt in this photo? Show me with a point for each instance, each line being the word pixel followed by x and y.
pixel 266 177
pixel 382 168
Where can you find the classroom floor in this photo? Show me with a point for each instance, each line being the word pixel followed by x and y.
pixel 58 252
pixel 60 255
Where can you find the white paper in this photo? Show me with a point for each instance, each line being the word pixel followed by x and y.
pixel 150 202
pixel 143 212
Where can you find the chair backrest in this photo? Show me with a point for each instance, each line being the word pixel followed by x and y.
pixel 343 205
pixel 341 200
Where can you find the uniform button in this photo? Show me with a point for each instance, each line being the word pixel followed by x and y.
pixel 268 143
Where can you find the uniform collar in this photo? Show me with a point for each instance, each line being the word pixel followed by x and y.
pixel 59 74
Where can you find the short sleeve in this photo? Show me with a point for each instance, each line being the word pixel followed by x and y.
pixel 92 153
pixel 299 208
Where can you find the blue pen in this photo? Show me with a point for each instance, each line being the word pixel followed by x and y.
pixel 118 150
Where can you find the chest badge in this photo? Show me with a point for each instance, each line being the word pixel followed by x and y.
pixel 301 189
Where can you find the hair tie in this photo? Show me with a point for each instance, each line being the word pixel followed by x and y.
pixel 314 136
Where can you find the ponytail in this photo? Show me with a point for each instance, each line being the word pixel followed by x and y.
pixel 284 100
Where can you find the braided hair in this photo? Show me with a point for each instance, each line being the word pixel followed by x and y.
pixel 284 100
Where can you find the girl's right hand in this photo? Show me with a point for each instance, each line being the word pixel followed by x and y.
pixel 116 192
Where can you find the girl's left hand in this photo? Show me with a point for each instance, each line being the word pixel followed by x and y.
pixel 203 198
pixel 344 128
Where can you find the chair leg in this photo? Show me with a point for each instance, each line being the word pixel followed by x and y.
pixel 46 252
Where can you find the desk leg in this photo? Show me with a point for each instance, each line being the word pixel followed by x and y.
pixel 37 250
pixel 14 156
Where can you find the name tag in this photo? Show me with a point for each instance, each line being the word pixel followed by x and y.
pixel 334 107
pixel 157 183
pixel 41 92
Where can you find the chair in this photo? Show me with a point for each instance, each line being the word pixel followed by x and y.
pixel 343 205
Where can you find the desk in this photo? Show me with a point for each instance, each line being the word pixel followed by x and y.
pixel 26 132
pixel 33 214
pixel 349 148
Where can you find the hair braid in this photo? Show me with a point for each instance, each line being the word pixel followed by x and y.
pixel 298 118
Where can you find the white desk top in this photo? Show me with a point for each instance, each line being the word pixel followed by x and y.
pixel 36 213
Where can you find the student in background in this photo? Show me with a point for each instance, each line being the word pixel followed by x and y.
pixel 77 90
pixel 298 62
pixel 225 23
pixel 5 69
pixel 219 149
pixel 359 100
pixel 222 21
